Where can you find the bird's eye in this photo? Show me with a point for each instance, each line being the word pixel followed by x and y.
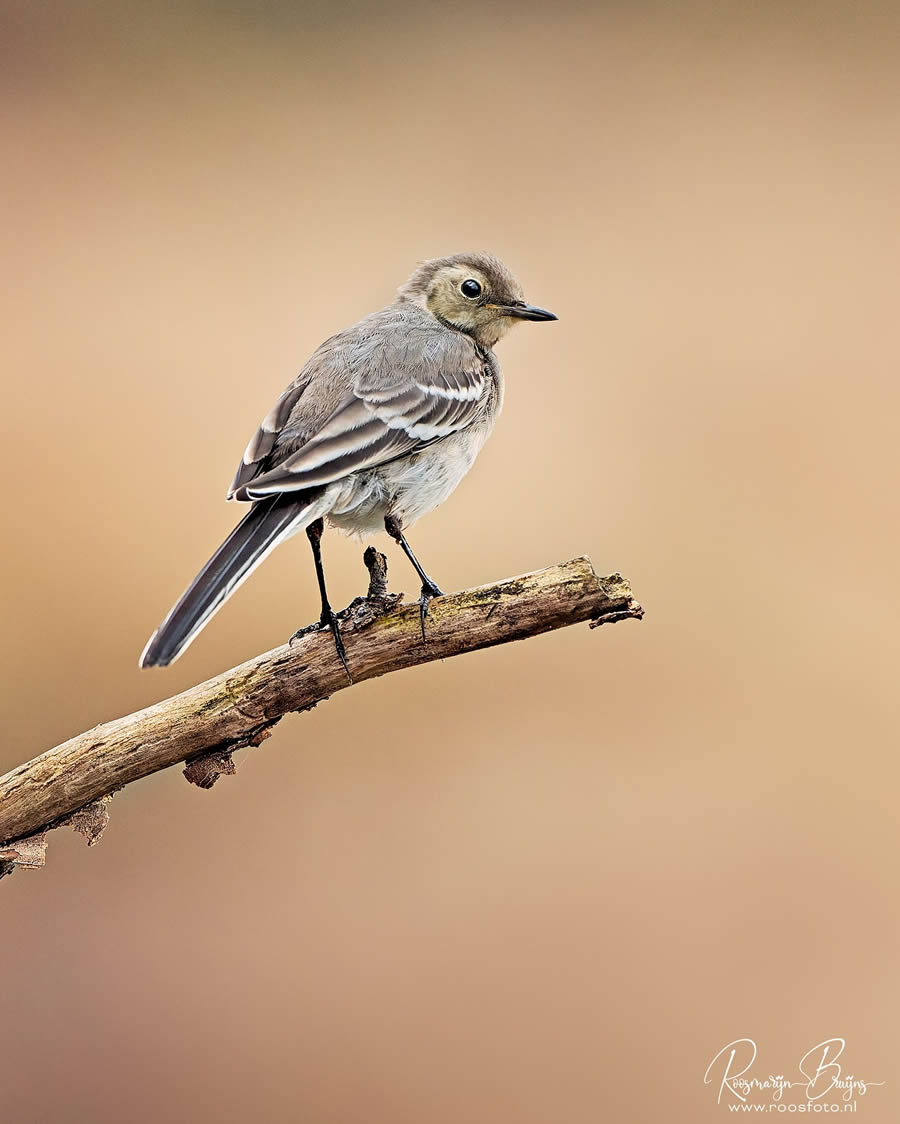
pixel 470 289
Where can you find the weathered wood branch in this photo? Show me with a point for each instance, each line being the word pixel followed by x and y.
pixel 204 725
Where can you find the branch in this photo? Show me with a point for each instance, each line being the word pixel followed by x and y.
pixel 204 725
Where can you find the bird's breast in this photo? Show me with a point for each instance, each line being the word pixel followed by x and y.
pixel 416 484
pixel 410 487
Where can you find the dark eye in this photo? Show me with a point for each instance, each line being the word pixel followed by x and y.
pixel 470 288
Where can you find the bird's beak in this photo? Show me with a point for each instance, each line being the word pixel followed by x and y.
pixel 523 311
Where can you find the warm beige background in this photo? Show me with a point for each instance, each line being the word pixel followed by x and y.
pixel 540 884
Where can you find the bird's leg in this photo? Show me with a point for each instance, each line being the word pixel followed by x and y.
pixel 328 618
pixel 430 588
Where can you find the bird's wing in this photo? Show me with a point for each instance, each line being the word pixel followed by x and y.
pixel 263 441
pixel 431 388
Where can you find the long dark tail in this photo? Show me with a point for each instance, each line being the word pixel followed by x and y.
pixel 265 525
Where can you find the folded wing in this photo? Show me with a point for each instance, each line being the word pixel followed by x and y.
pixel 385 416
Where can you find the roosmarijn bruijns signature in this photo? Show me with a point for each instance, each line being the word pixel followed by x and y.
pixel 823 1078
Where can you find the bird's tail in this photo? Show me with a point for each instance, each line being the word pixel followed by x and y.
pixel 265 525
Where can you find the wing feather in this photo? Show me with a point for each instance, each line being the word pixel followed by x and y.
pixel 263 441
pixel 405 391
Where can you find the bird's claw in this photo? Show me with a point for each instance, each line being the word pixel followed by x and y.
pixel 429 591
pixel 327 620
pixel 301 632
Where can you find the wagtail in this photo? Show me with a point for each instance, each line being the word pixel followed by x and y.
pixel 377 429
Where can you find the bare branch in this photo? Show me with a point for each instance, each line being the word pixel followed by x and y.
pixel 206 724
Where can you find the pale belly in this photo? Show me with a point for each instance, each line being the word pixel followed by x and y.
pixel 407 488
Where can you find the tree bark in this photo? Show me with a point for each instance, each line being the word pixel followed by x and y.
pixel 206 723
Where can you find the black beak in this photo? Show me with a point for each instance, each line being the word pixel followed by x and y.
pixel 523 311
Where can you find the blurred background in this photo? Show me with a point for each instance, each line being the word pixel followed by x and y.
pixel 547 882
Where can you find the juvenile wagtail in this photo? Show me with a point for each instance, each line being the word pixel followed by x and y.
pixel 377 429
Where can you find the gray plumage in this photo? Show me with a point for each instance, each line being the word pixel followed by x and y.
pixel 381 424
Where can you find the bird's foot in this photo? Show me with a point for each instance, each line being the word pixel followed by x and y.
pixel 329 619
pixel 429 591
pixel 305 631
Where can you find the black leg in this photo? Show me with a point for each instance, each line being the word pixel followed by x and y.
pixel 328 619
pixel 430 588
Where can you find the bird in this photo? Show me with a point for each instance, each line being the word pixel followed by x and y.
pixel 379 427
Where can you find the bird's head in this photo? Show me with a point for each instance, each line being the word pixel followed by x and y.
pixel 474 293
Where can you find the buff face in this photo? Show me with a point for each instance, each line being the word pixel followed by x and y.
pixel 474 293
